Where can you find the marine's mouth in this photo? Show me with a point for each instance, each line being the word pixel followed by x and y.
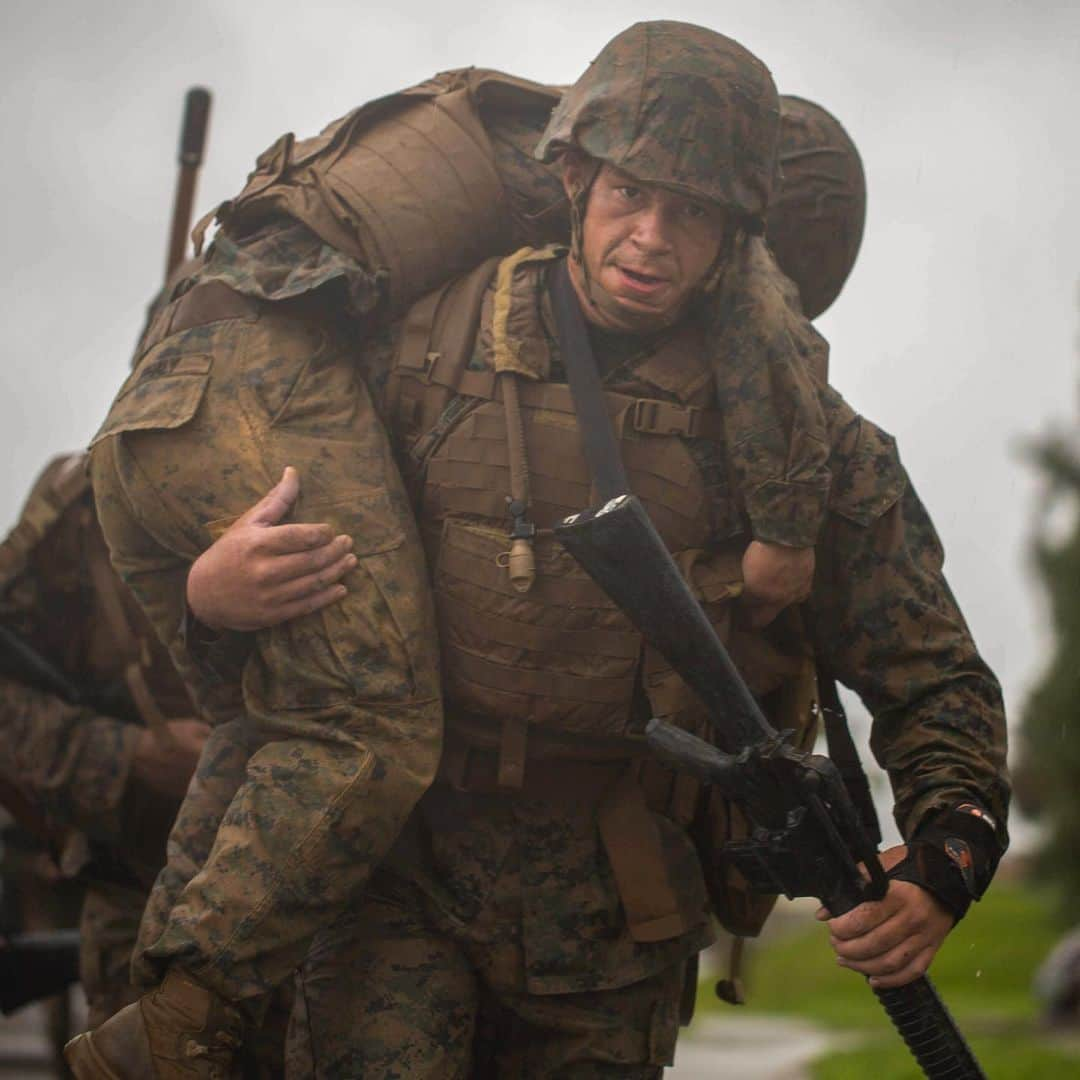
pixel 639 281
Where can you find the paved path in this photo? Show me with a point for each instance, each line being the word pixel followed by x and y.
pixel 24 1046
pixel 750 1048
pixel 735 1048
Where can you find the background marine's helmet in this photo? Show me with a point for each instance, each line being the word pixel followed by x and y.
pixel 680 106
pixel 816 219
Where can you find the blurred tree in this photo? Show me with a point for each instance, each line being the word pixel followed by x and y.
pixel 1048 777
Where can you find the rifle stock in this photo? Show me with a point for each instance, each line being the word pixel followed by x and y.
pixel 807 839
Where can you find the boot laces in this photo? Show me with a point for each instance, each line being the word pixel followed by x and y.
pixel 218 1053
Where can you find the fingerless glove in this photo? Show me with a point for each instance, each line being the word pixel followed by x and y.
pixel 953 856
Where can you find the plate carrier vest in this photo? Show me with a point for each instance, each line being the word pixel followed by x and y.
pixel 548 667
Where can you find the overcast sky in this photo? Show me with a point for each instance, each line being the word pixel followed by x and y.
pixel 957 331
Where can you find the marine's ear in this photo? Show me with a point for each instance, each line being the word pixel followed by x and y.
pixel 578 172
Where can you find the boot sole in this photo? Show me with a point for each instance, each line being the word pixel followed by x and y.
pixel 85 1062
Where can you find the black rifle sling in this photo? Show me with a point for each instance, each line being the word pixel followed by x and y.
pixel 845 757
pixel 594 424
pixel 605 465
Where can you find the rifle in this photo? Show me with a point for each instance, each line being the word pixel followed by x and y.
pixel 807 839
pixel 36 965
pixel 192 141
pixel 20 660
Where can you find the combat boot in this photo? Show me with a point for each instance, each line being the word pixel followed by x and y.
pixel 181 1031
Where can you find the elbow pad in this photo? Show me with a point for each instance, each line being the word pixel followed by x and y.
pixel 953 856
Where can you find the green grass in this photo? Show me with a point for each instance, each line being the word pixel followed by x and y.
pixel 1017 1058
pixel 983 973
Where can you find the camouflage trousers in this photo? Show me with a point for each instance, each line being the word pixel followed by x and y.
pixel 341 709
pixel 390 991
pixel 491 943
pixel 108 926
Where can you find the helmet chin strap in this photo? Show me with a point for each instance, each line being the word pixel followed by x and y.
pixel 728 246
pixel 579 199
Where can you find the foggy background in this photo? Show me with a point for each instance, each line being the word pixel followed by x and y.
pixel 956 332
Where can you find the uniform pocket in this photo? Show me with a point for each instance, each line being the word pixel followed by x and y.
pixel 871 480
pixel 375 523
pixel 305 379
pixel 158 396
pixel 378 644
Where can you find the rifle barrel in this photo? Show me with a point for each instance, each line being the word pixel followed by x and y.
pixel 37 965
pixel 192 144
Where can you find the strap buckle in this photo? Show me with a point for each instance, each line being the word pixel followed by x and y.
pixel 654 417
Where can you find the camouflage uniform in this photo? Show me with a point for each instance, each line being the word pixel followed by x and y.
pixel 513 893
pixel 505 911
pixel 264 254
pixel 342 713
pixel 75 761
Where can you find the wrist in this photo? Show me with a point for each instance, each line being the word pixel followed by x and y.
pixel 953 857
pixel 198 620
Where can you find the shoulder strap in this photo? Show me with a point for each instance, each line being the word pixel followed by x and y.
pixel 594 424
pixel 430 367
pixel 438 334
pixel 846 757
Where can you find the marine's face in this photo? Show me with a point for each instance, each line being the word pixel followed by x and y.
pixel 646 250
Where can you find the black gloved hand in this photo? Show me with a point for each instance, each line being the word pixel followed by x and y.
pixel 953 856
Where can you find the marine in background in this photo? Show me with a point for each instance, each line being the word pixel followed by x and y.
pixel 104 777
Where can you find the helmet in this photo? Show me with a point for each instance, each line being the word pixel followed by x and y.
pixel 815 223
pixel 680 106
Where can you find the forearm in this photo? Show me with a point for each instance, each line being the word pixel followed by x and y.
pixel 73 762
pixel 888 626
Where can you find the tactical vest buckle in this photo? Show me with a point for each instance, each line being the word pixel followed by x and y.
pixel 654 417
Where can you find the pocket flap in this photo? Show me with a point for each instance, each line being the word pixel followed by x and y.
pixel 872 480
pixel 375 519
pixel 151 401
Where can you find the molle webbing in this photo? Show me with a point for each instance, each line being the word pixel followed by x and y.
pixel 467 469
pixel 559 655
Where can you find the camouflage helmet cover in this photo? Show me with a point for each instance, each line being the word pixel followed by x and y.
pixel 816 219
pixel 677 105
